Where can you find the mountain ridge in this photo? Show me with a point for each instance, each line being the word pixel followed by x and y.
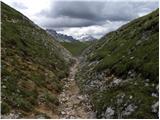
pixel 60 37
pixel 33 64
pixel 120 71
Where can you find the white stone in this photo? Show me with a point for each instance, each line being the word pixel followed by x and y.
pixel 155 107
pixel 117 81
pixel 3 86
pixel 80 97
pixel 129 109
pixel 131 58
pixel 109 113
pixel 63 113
pixel 130 97
pixel 154 95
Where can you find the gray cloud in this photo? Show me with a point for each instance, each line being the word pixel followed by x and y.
pixel 85 13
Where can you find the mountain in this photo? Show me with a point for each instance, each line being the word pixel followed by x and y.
pixel 61 37
pixel 33 66
pixel 76 47
pixel 87 38
pixel 120 72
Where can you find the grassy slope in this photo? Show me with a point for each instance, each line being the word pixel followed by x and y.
pixel 134 47
pixel 33 64
pixel 76 48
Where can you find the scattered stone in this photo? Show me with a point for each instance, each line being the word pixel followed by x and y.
pixel 116 81
pixel 71 79
pixel 155 107
pixel 109 113
pixel 130 97
pixel 72 102
pixel 12 115
pixel 63 113
pixel 131 58
pixel 3 86
pixel 129 109
pixel 154 95
pixel 80 97
pixel 40 117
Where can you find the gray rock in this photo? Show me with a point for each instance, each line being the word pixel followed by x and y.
pixel 116 81
pixel 155 107
pixel 129 109
pixel 63 113
pixel 80 97
pixel 109 113
pixel 12 115
pixel 130 97
pixel 154 95
pixel 131 57
pixel 3 86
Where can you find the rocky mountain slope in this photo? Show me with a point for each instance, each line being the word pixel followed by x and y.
pixel 120 71
pixel 61 37
pixel 33 65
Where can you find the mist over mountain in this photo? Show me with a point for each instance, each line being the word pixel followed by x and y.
pixel 87 38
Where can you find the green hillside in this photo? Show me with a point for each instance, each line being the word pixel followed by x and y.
pixel 33 64
pixel 76 47
pixel 120 71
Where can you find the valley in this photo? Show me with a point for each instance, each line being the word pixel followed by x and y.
pixel 114 77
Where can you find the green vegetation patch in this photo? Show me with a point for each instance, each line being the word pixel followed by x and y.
pixel 76 48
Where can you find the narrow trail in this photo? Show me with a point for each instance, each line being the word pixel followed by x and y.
pixel 72 103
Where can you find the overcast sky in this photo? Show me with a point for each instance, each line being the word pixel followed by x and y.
pixel 83 17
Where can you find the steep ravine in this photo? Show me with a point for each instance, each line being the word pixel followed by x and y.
pixel 72 103
pixel 116 77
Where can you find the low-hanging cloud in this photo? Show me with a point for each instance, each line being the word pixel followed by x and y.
pixel 83 17
pixel 86 13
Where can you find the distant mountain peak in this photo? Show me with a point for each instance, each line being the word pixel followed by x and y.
pixel 60 37
pixel 87 38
